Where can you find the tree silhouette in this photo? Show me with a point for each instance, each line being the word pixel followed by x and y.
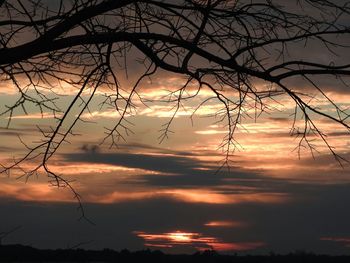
pixel 248 53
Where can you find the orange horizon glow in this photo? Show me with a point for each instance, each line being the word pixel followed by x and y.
pixel 194 240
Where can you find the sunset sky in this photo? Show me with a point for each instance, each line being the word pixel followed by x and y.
pixel 176 194
pixel 170 195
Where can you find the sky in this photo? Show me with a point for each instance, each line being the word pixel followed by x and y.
pixel 175 194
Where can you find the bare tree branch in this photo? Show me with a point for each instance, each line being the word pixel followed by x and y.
pixel 227 47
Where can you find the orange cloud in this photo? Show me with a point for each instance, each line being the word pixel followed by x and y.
pixel 38 192
pixel 210 132
pixel 225 224
pixel 8 88
pixel 121 196
pixel 95 168
pixel 189 196
pixel 38 115
pixel 193 239
pixel 42 192
pixel 216 197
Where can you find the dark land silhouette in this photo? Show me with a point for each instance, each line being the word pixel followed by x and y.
pixel 20 253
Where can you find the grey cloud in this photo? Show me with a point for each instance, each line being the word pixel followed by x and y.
pixel 182 171
pixel 165 164
pixel 132 146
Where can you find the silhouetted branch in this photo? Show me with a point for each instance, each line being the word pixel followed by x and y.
pixel 226 47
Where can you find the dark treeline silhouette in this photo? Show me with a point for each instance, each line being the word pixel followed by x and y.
pixel 20 253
